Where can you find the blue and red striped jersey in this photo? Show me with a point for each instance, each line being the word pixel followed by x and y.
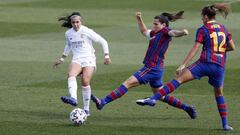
pixel 214 38
pixel 157 48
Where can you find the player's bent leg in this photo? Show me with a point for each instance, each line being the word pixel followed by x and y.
pixel 74 70
pixel 173 101
pixel 169 88
pixel 115 94
pixel 185 77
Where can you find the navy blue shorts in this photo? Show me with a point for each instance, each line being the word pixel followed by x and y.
pixel 153 76
pixel 214 72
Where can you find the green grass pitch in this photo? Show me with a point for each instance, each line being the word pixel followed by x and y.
pixel 31 39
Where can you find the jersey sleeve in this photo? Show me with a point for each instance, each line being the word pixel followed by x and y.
pixel 67 48
pixel 147 33
pixel 98 39
pixel 228 35
pixel 199 35
pixel 165 31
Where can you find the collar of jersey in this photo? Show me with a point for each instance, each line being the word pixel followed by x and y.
pixel 211 21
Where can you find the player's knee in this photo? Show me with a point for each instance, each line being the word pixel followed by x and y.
pixel 128 84
pixel 218 91
pixel 180 80
pixel 131 82
pixel 85 82
pixel 72 74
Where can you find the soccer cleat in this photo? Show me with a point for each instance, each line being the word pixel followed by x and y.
pixel 146 101
pixel 99 103
pixel 140 101
pixel 87 113
pixel 191 112
pixel 227 128
pixel 69 100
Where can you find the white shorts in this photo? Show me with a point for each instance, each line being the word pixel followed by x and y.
pixel 85 61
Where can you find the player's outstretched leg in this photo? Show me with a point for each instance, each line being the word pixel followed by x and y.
pixel 117 93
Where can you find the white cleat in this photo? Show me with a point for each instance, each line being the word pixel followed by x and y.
pixel 227 128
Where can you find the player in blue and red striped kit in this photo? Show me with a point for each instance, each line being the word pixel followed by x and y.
pixel 159 38
pixel 216 41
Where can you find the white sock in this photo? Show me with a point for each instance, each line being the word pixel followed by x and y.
pixel 72 87
pixel 86 94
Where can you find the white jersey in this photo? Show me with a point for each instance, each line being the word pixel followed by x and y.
pixel 80 42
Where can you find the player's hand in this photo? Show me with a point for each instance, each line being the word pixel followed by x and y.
pixel 185 32
pixel 138 15
pixel 107 61
pixel 57 63
pixel 180 69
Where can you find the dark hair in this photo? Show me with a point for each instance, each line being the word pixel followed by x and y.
pixel 167 17
pixel 211 11
pixel 67 19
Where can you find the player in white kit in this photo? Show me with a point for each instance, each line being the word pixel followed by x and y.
pixel 79 40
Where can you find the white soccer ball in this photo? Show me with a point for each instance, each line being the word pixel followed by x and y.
pixel 78 116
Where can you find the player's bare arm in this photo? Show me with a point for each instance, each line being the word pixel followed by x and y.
pixel 178 33
pixel 189 57
pixel 59 61
pixel 141 24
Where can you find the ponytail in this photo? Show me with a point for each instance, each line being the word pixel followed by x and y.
pixel 222 8
pixel 211 11
pixel 66 20
pixel 173 17
pixel 168 17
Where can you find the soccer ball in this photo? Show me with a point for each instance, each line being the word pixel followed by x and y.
pixel 78 116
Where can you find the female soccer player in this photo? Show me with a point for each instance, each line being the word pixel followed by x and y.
pixel 79 40
pixel 216 41
pixel 152 71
